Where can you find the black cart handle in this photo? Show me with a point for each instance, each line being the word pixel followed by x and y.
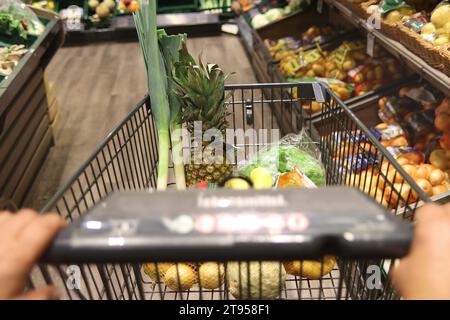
pixel 227 225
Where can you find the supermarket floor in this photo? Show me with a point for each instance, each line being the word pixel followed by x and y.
pixel 97 85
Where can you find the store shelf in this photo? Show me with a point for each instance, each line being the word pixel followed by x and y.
pixel 434 76
pixel 123 29
pixel 25 129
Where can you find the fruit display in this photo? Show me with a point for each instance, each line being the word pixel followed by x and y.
pixel 265 12
pixel 17 20
pixel 100 10
pixel 409 134
pixel 394 11
pixel 348 70
pixel 127 6
pixel 288 46
pixel 433 26
pixel 43 4
pixel 9 57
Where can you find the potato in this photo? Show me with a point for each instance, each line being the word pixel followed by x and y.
pixel 343 93
pixel 348 65
pixel 382 103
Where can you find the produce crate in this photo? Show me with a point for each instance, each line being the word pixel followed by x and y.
pixel 126 161
pixel 421 47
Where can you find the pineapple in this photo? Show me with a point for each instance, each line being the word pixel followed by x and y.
pixel 200 91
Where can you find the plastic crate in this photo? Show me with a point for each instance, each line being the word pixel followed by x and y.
pixel 126 160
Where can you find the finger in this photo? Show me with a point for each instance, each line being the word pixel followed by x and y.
pixel 34 239
pixel 45 293
pixel 18 222
pixel 5 216
pixel 430 209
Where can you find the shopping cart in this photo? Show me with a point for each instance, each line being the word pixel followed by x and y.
pixel 126 161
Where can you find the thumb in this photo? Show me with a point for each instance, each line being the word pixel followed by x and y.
pixel 44 293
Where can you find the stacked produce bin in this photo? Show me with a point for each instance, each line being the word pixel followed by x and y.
pixel 25 126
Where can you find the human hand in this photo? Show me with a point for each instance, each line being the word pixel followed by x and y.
pixel 23 239
pixel 424 273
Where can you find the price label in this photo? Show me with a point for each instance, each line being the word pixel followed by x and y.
pixel 319 6
pixel 370 44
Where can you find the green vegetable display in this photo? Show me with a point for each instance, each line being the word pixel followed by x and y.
pixel 10 25
pixel 17 19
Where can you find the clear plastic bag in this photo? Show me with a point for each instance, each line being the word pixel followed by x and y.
pixel 293 150
pixel 17 19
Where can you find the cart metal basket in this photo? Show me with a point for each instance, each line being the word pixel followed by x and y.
pixel 127 159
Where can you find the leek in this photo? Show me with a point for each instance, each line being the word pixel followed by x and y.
pixel 160 52
pixel 170 47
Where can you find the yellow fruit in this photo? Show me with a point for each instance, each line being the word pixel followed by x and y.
pixel 110 4
pixel 393 16
pixel 261 178
pixel 310 269
pixel 441 15
pixel 429 28
pixel 349 65
pixel 152 270
pixel 211 275
pixel 237 184
pixel 180 277
pixel 442 40
pixel 102 10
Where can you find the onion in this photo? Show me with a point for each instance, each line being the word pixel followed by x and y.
pixel 421 173
pixel 440 163
pixel 437 177
pixel 402 161
pixel 439 189
pixel 428 166
pixel 410 169
pixel 414 157
pixel 426 186
pixel 439 159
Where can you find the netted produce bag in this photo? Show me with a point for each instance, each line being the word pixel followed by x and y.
pixel 16 19
pixel 291 151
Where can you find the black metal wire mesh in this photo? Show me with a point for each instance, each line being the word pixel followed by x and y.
pixel 127 160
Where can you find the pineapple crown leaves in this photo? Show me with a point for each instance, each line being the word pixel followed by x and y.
pixel 200 90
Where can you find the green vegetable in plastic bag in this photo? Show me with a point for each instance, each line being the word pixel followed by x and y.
pixel 292 150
